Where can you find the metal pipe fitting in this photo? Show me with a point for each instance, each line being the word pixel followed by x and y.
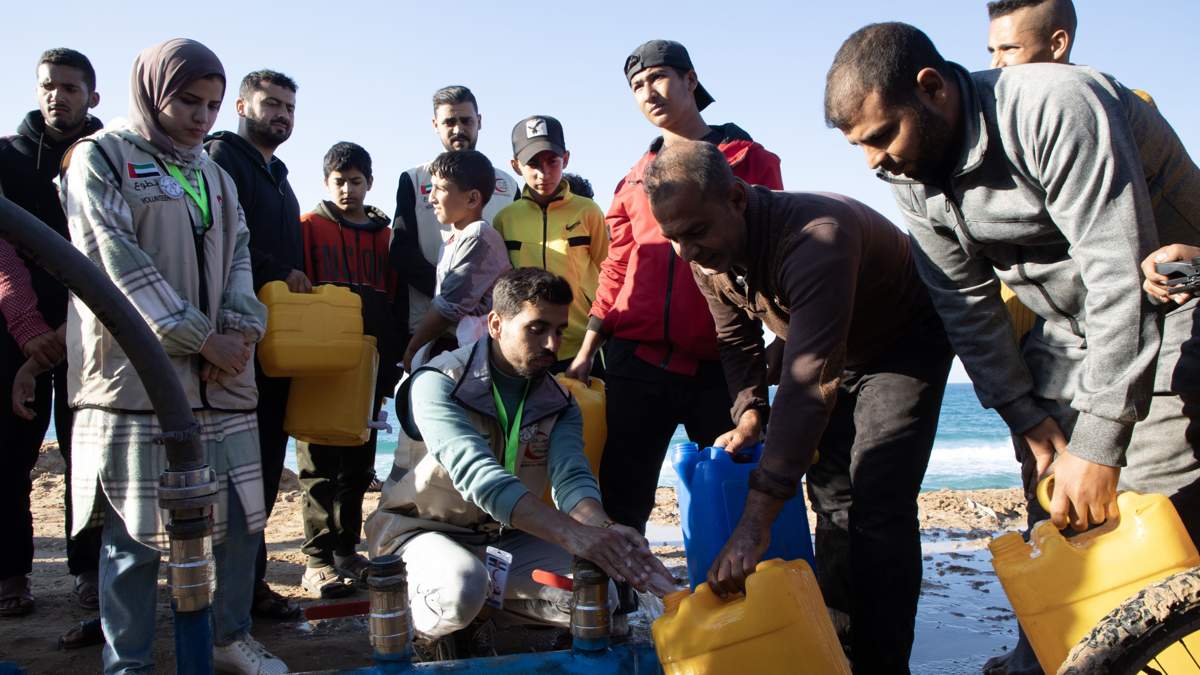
pixel 389 620
pixel 591 622
pixel 189 496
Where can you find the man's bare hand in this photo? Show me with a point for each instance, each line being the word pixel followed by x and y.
pixel 623 553
pixel 739 557
pixel 744 435
pixel 47 349
pixel 1046 440
pixel 1155 284
pixel 1085 493
pixel 297 282
pixel 24 390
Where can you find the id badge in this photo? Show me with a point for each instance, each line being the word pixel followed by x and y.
pixel 497 562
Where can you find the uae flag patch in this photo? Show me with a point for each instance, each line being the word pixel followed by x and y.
pixel 147 170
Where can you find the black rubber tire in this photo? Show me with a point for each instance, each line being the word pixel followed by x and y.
pixel 1125 640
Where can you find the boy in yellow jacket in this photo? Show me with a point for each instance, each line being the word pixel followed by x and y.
pixel 552 228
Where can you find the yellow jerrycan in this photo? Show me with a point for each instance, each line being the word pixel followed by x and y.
pixel 592 406
pixel 309 333
pixel 779 626
pixel 334 409
pixel 1061 587
pixel 1021 316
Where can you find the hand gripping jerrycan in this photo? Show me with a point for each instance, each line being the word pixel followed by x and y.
pixel 1061 587
pixel 779 626
pixel 712 492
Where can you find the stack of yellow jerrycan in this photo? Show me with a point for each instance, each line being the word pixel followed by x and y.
pixel 317 340
pixel 1061 587
pixel 779 626
pixel 591 401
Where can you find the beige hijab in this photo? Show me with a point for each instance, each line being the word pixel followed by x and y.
pixel 159 74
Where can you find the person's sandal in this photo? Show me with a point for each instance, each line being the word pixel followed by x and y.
pixel 270 605
pixel 325 583
pixel 355 567
pixel 85 634
pixel 87 590
pixel 16 599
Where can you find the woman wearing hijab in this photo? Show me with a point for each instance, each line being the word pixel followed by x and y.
pixel 147 205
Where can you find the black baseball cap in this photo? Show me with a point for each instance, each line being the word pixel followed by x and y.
pixel 536 134
pixel 665 53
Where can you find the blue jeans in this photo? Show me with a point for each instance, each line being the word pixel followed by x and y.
pixel 129 590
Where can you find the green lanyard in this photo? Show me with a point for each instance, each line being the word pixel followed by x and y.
pixel 201 199
pixel 512 433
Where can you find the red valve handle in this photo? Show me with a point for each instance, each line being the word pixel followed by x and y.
pixel 553 580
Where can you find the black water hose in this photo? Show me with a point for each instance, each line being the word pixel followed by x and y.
pixel 56 255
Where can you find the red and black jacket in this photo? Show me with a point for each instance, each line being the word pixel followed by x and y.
pixel 646 293
pixel 355 255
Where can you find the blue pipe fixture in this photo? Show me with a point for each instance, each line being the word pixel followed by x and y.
pixel 188 488
pixel 590 654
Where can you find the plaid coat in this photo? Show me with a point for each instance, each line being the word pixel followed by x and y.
pixel 188 282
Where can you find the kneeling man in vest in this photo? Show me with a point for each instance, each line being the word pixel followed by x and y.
pixel 497 429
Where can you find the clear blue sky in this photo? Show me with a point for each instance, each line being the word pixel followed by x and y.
pixel 367 69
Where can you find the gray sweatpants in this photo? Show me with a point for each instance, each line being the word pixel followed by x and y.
pixel 448 582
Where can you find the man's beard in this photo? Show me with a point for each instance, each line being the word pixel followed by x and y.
pixel 67 127
pixel 261 133
pixel 936 159
pixel 534 367
pixel 468 143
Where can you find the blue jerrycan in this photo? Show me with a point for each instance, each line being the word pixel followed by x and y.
pixel 712 491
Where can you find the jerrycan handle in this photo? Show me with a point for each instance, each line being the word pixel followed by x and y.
pixel 1045 490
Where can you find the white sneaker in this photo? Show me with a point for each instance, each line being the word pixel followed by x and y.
pixel 247 656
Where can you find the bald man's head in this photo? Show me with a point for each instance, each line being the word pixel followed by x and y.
pixel 698 204
pixel 1031 31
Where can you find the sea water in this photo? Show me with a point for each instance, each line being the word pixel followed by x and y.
pixel 972 449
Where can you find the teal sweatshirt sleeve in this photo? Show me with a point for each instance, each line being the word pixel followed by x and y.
pixel 455 443
pixel 571 478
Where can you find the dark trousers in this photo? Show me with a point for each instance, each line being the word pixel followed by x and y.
pixel 83 551
pixel 334 479
pixel 21 442
pixel 864 490
pixel 272 439
pixel 645 405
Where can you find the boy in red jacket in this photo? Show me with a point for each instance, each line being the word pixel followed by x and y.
pixel 661 356
pixel 346 243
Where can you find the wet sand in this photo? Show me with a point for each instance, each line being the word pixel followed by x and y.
pixel 963 619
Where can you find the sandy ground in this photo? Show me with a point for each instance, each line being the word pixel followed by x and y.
pixel 963 618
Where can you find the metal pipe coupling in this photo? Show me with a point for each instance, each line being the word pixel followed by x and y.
pixel 389 620
pixel 189 496
pixel 591 623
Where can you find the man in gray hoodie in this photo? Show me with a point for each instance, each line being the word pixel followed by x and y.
pixel 1057 181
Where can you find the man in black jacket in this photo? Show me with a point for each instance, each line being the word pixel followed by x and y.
pixel 266 108
pixel 34 305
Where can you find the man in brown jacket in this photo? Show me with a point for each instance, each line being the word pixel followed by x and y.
pixel 864 369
